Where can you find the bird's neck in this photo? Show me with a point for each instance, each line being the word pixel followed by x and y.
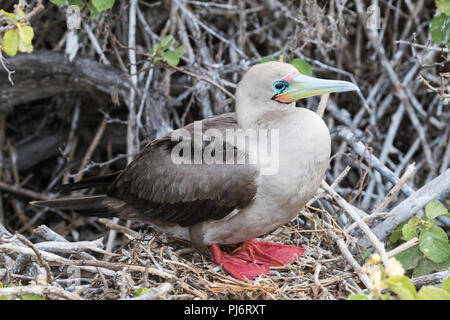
pixel 249 114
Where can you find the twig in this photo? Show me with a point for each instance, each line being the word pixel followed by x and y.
pixel 46 291
pixel 92 147
pixel 40 259
pixel 410 206
pixel 349 258
pixel 322 104
pixel 433 278
pixel 396 188
pixel 403 247
pixel 22 191
pixel 355 216
pixel 114 226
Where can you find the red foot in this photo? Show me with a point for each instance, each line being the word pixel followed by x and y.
pixel 253 258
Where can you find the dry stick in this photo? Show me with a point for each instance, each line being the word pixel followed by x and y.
pixel 403 247
pixel 340 177
pixel 92 147
pixel 322 104
pixel 131 131
pixel 205 79
pixel 399 89
pixel 378 211
pixel 433 278
pixel 22 191
pixel 396 188
pixel 131 128
pixel 51 258
pixel 190 15
pixel 114 226
pixel 40 259
pixel 349 257
pixel 72 247
pixel 361 149
pixel 95 44
pixel 46 291
pixel 421 46
pixel 48 234
pixel 121 266
pixel 410 206
pixel 355 216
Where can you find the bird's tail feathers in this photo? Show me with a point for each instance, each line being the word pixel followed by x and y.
pixel 99 206
pixel 91 182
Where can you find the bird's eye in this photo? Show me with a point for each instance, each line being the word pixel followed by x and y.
pixel 279 86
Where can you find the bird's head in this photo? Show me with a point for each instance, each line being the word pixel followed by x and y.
pixel 275 85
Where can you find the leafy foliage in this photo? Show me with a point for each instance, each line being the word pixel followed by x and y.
pixel 433 251
pixel 300 64
pixel 161 51
pixel 392 279
pixel 141 291
pixel 440 25
pixel 18 39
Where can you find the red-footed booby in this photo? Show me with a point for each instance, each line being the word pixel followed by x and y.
pixel 238 193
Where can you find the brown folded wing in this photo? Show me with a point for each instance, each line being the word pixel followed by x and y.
pixel 186 194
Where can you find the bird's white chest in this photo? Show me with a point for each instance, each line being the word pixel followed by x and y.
pixel 301 159
pixel 297 165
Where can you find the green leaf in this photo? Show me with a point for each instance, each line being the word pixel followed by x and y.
pixel 32 297
pixel 93 10
pixel 409 230
pixel 409 257
pixel 359 297
pixel 302 66
pixel 397 234
pixel 19 13
pixel 433 293
pixel 167 41
pixel 26 34
pixel 386 296
pixel 2 297
pixel 444 265
pixel 11 42
pixel 424 267
pixel 435 209
pixel 179 51
pixel 58 2
pixel 267 59
pixel 440 29
pixel 154 49
pixel 433 242
pixel 403 287
pixel 141 291
pixel 171 58
pixel 79 3
pixel 443 6
pixel 25 47
pixel 446 284
pixel 102 5
pixel 11 16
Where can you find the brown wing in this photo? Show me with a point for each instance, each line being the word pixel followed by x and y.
pixel 186 194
